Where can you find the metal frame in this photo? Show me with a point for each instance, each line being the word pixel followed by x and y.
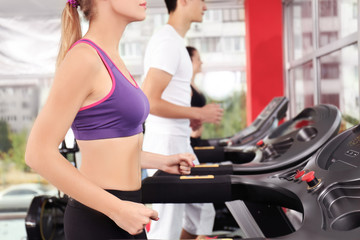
pixel 315 55
pixel 244 219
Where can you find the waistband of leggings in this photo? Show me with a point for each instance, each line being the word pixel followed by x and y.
pixel 133 196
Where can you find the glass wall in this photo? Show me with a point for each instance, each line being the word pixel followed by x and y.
pixel 322 55
pixel 300 35
pixel 339 82
pixel 302 89
pixel 337 19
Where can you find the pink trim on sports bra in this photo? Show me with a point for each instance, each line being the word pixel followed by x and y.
pixel 109 71
pixel 137 86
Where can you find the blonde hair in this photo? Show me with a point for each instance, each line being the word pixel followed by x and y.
pixel 70 26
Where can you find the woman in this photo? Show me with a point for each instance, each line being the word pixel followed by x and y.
pixel 95 95
pixel 197 98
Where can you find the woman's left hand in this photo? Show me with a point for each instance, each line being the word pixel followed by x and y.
pixel 179 163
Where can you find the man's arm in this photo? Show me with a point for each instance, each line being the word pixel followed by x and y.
pixel 154 85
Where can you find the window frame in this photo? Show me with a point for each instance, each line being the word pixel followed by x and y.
pixel 315 55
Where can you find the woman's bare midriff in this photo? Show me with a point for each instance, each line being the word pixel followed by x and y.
pixel 112 163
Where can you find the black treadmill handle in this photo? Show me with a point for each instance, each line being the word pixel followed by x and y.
pixel 215 189
pixel 186 189
pixel 234 169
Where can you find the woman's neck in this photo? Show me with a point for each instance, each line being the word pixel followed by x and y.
pixel 107 32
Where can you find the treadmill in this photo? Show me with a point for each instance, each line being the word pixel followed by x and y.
pixel 289 144
pixel 44 216
pixel 302 136
pixel 325 189
pixel 266 121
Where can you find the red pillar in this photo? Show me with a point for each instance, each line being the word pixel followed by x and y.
pixel 264 54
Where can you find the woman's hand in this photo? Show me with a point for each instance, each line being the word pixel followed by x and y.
pixel 197 133
pixel 195 124
pixel 133 217
pixel 179 163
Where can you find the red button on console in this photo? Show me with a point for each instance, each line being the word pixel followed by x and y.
pixel 299 174
pixel 308 177
pixel 311 180
pixel 260 143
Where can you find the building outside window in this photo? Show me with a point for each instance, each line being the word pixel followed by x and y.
pixel 322 55
pixel 302 86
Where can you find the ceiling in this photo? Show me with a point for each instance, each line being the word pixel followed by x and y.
pixel 13 8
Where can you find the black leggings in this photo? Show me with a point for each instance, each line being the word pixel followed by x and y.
pixel 82 222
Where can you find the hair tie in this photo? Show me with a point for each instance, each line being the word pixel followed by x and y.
pixel 73 3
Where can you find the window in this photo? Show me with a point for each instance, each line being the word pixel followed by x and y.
pixel 131 49
pixel 336 20
pixel 233 44
pixel 302 89
pixel 305 7
pixel 326 72
pixel 330 70
pixel 213 15
pixel 355 11
pixel 328 8
pixel 334 99
pixel 231 15
pixel 300 29
pixel 339 83
pixel 327 37
pixel 307 41
pixel 206 44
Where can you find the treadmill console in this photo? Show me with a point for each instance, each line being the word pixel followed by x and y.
pixel 345 152
pixel 266 120
pixel 328 187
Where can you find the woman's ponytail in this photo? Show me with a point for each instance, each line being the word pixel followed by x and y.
pixel 70 30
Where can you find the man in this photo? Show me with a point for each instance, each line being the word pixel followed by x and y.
pixel 168 71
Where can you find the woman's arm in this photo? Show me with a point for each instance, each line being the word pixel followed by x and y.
pixel 73 85
pixel 175 164
pixel 197 133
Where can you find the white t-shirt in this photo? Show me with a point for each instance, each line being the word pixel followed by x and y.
pixel 166 51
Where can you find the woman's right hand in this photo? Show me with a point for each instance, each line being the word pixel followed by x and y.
pixel 133 217
pixel 211 113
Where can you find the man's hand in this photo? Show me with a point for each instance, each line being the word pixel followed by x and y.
pixel 211 113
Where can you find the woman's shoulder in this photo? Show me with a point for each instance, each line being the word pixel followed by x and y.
pixel 84 55
pixel 80 66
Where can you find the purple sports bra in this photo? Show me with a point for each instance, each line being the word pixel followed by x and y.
pixel 120 113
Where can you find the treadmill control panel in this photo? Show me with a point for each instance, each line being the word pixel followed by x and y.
pixel 273 112
pixel 344 155
pixel 270 107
